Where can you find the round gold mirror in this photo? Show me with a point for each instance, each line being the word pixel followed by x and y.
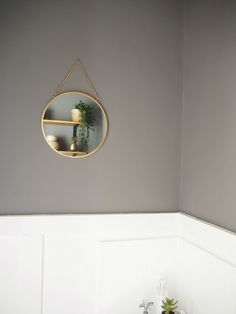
pixel 74 124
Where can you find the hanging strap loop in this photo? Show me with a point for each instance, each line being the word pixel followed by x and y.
pixel 73 67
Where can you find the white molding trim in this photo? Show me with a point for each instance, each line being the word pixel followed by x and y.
pixel 207 223
pixel 42 274
pixel 212 239
pixel 209 252
pixel 216 241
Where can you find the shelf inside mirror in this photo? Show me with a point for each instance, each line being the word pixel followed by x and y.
pixel 69 152
pixel 60 122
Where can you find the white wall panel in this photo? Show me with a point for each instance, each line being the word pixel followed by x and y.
pixel 217 241
pixel 20 274
pixel 162 264
pixel 69 284
pixel 207 284
pixel 130 271
pixel 122 276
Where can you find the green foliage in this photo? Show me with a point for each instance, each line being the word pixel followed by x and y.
pixel 169 305
pixel 87 123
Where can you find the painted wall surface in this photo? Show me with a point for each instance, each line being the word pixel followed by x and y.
pixel 209 128
pixel 132 51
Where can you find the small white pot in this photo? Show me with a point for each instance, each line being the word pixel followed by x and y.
pixel 51 138
pixel 53 142
pixel 54 145
pixel 76 115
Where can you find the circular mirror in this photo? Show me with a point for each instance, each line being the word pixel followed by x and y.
pixel 74 124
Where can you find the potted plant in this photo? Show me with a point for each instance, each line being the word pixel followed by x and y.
pixel 169 306
pixel 86 123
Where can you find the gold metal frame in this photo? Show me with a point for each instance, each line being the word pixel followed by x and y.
pixel 104 114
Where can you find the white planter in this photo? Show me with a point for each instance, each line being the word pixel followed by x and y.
pixel 51 138
pixel 53 142
pixel 75 115
pixel 54 145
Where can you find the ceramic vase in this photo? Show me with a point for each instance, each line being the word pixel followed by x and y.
pixel 73 146
pixel 75 115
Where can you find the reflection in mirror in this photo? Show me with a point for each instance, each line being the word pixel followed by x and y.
pixel 74 124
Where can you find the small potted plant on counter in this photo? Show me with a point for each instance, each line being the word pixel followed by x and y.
pixel 169 306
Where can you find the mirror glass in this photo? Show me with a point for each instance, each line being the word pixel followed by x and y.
pixel 74 124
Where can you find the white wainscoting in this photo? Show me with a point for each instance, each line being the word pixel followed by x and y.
pixel 69 275
pixel 102 264
pixel 206 267
pixel 130 270
pixel 20 274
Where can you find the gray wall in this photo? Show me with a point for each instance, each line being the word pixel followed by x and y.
pixel 209 130
pixel 132 51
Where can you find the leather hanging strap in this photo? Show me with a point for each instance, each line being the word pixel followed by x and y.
pixel 73 67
